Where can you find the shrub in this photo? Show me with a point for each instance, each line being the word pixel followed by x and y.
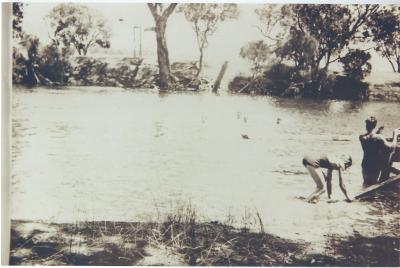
pixel 356 64
pixel 89 71
pixel 240 84
pixel 19 72
pixel 54 63
pixel 25 59
pixel 279 77
pixel 349 88
pixel 279 80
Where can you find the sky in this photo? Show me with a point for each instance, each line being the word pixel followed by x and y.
pixel 224 45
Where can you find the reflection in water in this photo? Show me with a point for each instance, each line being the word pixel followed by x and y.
pixel 95 154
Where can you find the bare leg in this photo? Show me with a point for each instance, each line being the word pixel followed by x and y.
pixel 320 187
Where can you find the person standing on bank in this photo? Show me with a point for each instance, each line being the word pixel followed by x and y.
pixel 378 153
pixel 330 163
pixel 371 145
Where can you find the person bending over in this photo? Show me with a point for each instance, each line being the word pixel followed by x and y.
pixel 330 163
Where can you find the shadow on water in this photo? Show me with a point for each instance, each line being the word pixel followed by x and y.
pixel 328 106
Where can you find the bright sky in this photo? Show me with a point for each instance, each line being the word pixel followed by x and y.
pixel 224 45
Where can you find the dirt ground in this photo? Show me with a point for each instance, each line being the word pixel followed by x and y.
pixel 177 244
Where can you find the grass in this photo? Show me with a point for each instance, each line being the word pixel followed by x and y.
pixel 181 239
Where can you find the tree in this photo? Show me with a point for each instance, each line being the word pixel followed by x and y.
pixel 384 27
pixel 356 65
pixel 205 19
pixel 350 85
pixel 332 28
pixel 161 15
pixel 78 25
pixel 18 16
pixel 27 55
pixel 257 52
pixel 298 49
pixel 54 63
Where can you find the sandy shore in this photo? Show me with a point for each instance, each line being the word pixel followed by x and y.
pixel 182 243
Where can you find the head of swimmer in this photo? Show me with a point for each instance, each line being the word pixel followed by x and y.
pixel 370 123
pixel 347 160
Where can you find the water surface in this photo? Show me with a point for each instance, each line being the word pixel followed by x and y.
pixel 110 154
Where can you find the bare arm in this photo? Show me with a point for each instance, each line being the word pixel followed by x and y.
pixel 342 186
pixel 389 144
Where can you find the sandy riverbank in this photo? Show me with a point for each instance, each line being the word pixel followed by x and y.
pixel 181 243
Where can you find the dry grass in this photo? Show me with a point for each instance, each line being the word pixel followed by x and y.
pixel 180 238
pixel 124 243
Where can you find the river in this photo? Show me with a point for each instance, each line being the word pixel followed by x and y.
pixel 110 154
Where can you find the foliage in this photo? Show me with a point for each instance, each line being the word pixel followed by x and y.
pixel 78 25
pixel 89 71
pixel 239 84
pixel 326 29
pixel 299 49
pixel 25 60
pixel 19 72
pixel 384 27
pixel 280 77
pixel 356 65
pixel 18 16
pixel 205 18
pixel 305 40
pixel 257 52
pixel 349 88
pixel 283 80
pixel 278 80
pixel 55 63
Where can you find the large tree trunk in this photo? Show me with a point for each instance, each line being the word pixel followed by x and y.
pixel 162 54
pixel 161 15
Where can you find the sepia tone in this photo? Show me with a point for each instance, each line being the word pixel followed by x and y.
pixel 215 134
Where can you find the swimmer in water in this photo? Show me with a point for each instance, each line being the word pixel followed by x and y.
pixel 378 153
pixel 330 163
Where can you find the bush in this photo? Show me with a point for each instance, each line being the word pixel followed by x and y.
pixel 240 84
pixel 279 77
pixel 89 71
pixel 278 80
pixel 19 72
pixel 54 64
pixel 287 81
pixel 25 59
pixel 349 88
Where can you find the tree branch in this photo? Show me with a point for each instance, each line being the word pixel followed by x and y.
pixel 153 10
pixel 264 34
pixel 169 10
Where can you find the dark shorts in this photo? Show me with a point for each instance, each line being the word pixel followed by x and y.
pixel 320 162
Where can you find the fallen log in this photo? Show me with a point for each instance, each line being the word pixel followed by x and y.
pixel 375 187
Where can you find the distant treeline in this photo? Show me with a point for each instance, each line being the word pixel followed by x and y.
pixel 300 44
